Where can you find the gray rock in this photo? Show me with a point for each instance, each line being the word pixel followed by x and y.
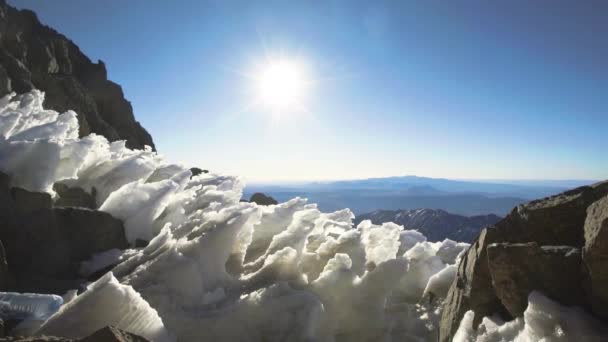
pixel 520 268
pixel 35 56
pixel 595 256
pixel 555 220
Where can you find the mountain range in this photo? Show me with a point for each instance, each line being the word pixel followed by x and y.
pixel 435 224
pixel 460 197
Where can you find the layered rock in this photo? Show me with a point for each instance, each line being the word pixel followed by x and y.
pixel 595 256
pixel 33 55
pixel 554 221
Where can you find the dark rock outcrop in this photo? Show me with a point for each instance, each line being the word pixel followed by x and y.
pixel 435 224
pixel 197 171
pixel 112 334
pixel 552 221
pixel 595 256
pixel 45 245
pixel 262 199
pixel 33 55
pixel 6 280
pixel 520 268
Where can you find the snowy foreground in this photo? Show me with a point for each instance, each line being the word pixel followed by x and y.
pixel 217 269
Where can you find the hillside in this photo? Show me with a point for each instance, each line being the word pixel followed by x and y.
pixel 435 224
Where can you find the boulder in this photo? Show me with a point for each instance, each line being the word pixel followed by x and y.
pixel 44 245
pixel 556 220
pixel 595 257
pixel 262 199
pixel 520 268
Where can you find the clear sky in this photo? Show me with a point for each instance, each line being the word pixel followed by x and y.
pixel 456 89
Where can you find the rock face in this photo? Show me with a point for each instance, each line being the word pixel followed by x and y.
pixel 435 224
pixel 44 245
pixel 520 268
pixel 554 221
pixel 262 199
pixel 35 56
pixel 595 257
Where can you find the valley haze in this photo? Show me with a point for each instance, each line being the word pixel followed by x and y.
pixel 464 197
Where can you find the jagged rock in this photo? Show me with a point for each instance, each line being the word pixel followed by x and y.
pixel 44 245
pixel 555 220
pixel 518 269
pixel 35 56
pixel 73 197
pixel 262 199
pixel 113 334
pixel 595 256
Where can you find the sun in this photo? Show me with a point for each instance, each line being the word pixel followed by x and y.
pixel 281 84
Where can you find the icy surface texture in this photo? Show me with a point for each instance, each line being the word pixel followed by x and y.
pixel 544 320
pixel 106 302
pixel 28 305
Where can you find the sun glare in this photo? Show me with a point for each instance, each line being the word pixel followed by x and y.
pixel 281 85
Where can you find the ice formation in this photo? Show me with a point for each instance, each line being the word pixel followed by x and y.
pixel 106 302
pixel 544 320
pixel 216 268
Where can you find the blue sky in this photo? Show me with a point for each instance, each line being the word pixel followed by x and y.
pixel 456 89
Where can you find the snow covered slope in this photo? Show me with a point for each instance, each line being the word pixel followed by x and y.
pixel 218 269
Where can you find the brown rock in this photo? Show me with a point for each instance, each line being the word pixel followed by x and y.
pixel 555 220
pixel 595 256
pixel 518 269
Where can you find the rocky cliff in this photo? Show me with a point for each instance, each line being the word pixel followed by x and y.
pixel 33 55
pixel 556 245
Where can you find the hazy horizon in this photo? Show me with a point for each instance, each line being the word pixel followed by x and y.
pixel 461 91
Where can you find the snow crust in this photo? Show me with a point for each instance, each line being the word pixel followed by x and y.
pixel 218 269
pixel 106 302
pixel 544 320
